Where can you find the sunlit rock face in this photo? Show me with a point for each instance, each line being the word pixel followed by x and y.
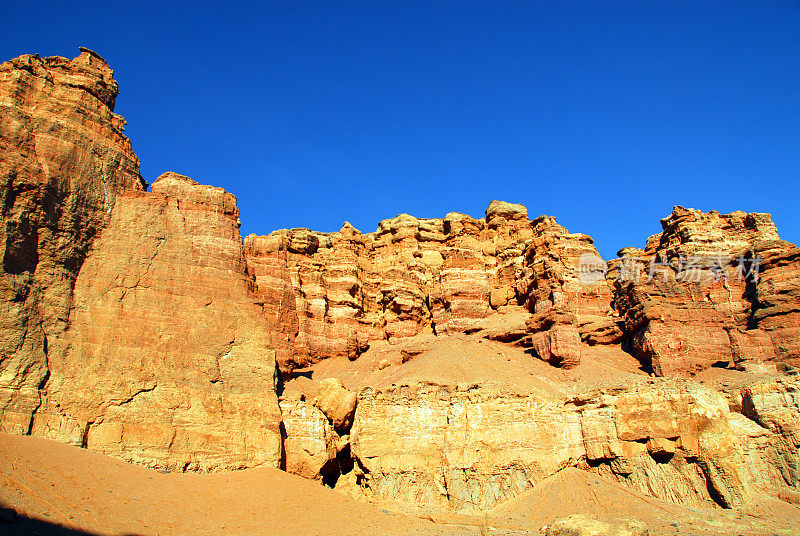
pixel 329 294
pixel 167 362
pixel 777 299
pixel 703 291
pixel 105 341
pixel 64 160
pixel 448 363
pixel 689 301
pixel 471 448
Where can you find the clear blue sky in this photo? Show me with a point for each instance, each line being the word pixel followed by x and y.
pixel 601 113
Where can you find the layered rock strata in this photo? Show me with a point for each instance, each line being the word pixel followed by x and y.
pixel 702 293
pixel 469 448
pixel 64 159
pixel 166 361
pixel 328 295
pixel 689 301
pixel 686 303
pixel 777 300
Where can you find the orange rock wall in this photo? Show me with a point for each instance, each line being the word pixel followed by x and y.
pixel 166 362
pixel 64 159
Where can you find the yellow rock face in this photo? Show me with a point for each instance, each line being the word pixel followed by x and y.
pixel 64 160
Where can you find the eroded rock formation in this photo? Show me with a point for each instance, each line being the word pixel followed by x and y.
pixel 777 299
pixel 687 303
pixel 690 300
pixel 64 159
pixel 331 294
pixel 166 361
pixel 446 363
pixel 469 448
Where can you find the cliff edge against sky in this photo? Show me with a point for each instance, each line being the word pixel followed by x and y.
pixel 451 364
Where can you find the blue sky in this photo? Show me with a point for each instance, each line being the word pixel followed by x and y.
pixel 604 114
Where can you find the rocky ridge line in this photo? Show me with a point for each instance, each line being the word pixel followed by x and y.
pixel 449 363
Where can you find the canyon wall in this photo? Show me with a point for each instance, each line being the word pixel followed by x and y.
pixel 166 361
pixel 710 290
pixel 330 294
pixel 445 362
pixel 127 321
pixel 64 159
pixel 470 447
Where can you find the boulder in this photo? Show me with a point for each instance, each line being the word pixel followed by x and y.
pixel 336 402
pixel 310 446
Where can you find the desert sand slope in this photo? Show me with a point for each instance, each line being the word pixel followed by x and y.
pixel 59 489
pixel 575 492
pixel 471 359
pixel 52 484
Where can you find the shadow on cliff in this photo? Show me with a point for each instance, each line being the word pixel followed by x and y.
pixel 12 524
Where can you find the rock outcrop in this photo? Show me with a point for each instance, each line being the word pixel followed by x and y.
pixel 583 525
pixel 166 361
pixel 331 294
pixel 777 299
pixel 64 159
pixel 310 443
pixel 337 403
pixel 469 448
pixel 448 363
pixel 688 300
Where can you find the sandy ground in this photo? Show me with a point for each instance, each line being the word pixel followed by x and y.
pixel 53 484
pixel 59 489
pixel 573 491
pixel 471 359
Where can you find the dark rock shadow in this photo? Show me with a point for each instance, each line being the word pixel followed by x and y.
pixel 13 524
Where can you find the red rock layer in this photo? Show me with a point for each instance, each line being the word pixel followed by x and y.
pixel 570 303
pixel 328 295
pixel 777 299
pixel 682 305
pixel 688 302
pixel 63 161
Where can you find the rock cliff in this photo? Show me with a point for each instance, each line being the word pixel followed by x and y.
pixel 64 159
pixel 470 447
pixel 447 363
pixel 331 294
pixel 690 300
pixel 166 361
pixel 127 323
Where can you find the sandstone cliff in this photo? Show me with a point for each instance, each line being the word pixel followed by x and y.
pixel 166 361
pixel 64 159
pixel 451 363
pixel 470 448
pixel 690 301
pixel 331 294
